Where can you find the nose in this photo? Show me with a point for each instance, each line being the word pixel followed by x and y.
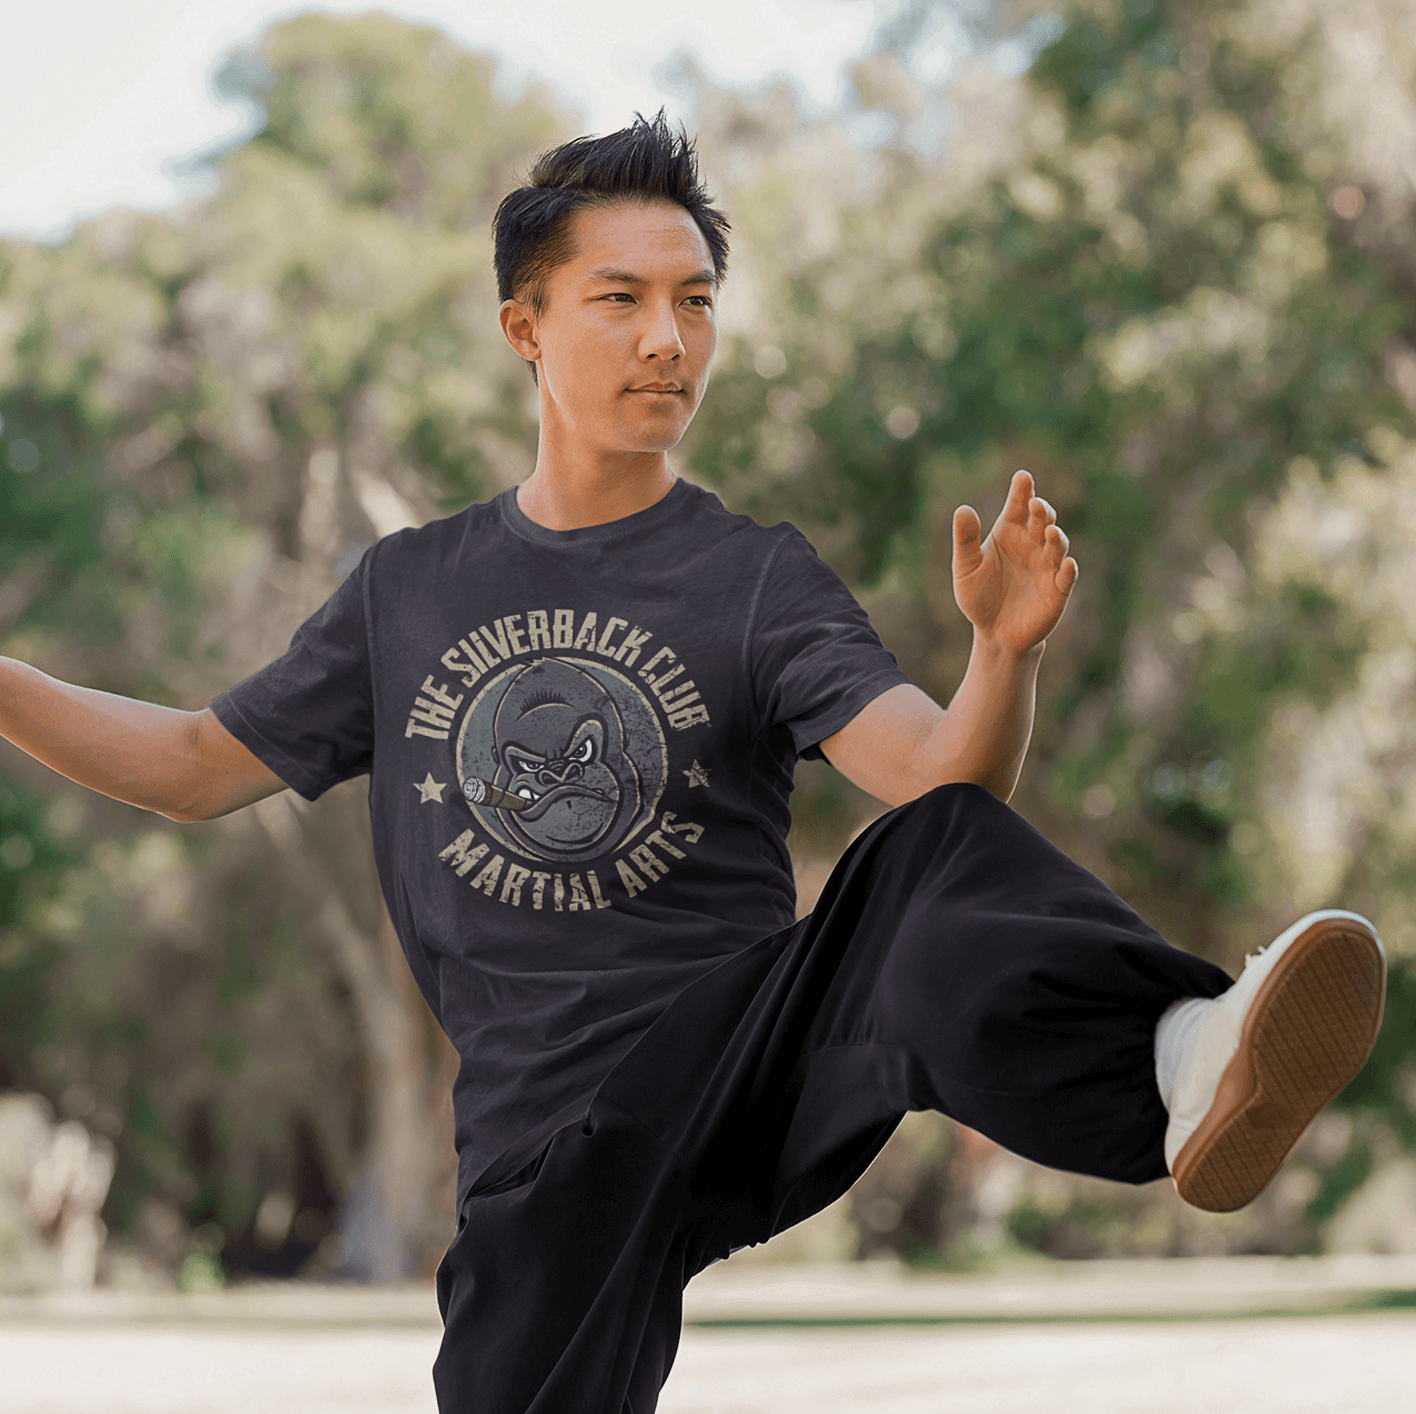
pixel 559 773
pixel 661 339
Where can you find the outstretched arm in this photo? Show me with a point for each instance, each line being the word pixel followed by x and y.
pixel 1013 588
pixel 184 765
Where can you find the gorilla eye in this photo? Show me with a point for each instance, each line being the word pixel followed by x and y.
pixel 587 750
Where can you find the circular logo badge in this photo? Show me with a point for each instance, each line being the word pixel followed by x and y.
pixel 561 759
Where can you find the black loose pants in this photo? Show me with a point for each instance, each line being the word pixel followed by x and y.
pixel 956 961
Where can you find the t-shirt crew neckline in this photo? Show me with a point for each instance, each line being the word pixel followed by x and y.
pixel 665 507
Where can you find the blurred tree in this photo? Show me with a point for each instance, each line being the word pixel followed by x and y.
pixel 209 416
pixel 1155 272
pixel 1167 268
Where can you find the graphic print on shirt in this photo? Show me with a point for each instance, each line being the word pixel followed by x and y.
pixel 579 743
pixel 560 755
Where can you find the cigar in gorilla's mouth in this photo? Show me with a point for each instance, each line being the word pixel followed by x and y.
pixel 480 792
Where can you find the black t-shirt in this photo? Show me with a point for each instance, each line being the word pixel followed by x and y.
pixel 581 746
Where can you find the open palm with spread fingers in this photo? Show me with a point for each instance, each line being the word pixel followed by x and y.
pixel 1014 586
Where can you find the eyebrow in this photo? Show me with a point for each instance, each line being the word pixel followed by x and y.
pixel 613 275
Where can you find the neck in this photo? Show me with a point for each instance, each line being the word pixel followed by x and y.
pixel 568 492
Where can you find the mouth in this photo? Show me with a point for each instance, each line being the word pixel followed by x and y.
pixel 652 388
pixel 539 802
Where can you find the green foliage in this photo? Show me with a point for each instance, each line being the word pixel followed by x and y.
pixel 51 507
pixel 173 389
pixel 1341 1181
pixel 1153 309
pixel 1088 1227
pixel 389 116
pixel 1386 1086
pixel 32 862
pixel 1146 298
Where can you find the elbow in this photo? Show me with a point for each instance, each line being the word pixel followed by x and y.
pixel 182 814
pixel 1000 785
pixel 186 806
pixel 192 802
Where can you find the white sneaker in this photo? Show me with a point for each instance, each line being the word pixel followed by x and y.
pixel 1274 1049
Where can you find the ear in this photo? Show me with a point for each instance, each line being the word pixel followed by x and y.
pixel 518 323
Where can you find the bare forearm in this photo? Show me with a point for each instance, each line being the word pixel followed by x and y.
pixel 983 735
pixel 137 752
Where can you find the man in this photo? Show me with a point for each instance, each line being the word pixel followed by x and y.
pixel 580 705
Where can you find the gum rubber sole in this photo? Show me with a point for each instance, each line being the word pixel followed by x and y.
pixel 1309 1030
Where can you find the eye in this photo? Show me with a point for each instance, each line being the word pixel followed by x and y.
pixel 620 295
pixel 587 750
pixel 706 300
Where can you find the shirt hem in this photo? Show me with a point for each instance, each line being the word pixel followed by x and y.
pixel 285 766
pixel 852 705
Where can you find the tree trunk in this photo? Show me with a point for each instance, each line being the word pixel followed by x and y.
pixel 396 1216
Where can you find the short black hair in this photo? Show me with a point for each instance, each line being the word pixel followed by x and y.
pixel 644 162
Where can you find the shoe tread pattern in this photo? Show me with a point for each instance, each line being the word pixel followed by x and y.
pixel 1308 1032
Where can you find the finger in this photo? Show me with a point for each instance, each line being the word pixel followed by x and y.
pixel 967 530
pixel 1067 574
pixel 1057 542
pixel 1042 510
pixel 1020 491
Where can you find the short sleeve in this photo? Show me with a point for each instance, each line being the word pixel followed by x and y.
pixel 815 659
pixel 309 715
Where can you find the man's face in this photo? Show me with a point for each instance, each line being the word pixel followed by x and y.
pixel 624 346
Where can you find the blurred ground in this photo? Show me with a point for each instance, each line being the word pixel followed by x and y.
pixel 1177 1337
pixel 1312 1365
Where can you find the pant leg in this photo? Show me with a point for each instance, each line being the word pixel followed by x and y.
pixel 971 967
pixel 956 961
pixel 562 1293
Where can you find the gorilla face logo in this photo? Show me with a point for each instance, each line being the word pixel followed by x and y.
pixel 560 744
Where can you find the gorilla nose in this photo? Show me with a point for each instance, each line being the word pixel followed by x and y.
pixel 569 771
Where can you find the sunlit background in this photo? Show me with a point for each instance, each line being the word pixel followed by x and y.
pixel 1160 255
pixel 105 105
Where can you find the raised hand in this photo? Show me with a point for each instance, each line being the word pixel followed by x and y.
pixel 1014 586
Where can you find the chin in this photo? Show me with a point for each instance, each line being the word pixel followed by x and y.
pixel 653 439
pixel 661 444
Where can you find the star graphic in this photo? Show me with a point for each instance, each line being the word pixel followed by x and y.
pixel 430 789
pixel 697 775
